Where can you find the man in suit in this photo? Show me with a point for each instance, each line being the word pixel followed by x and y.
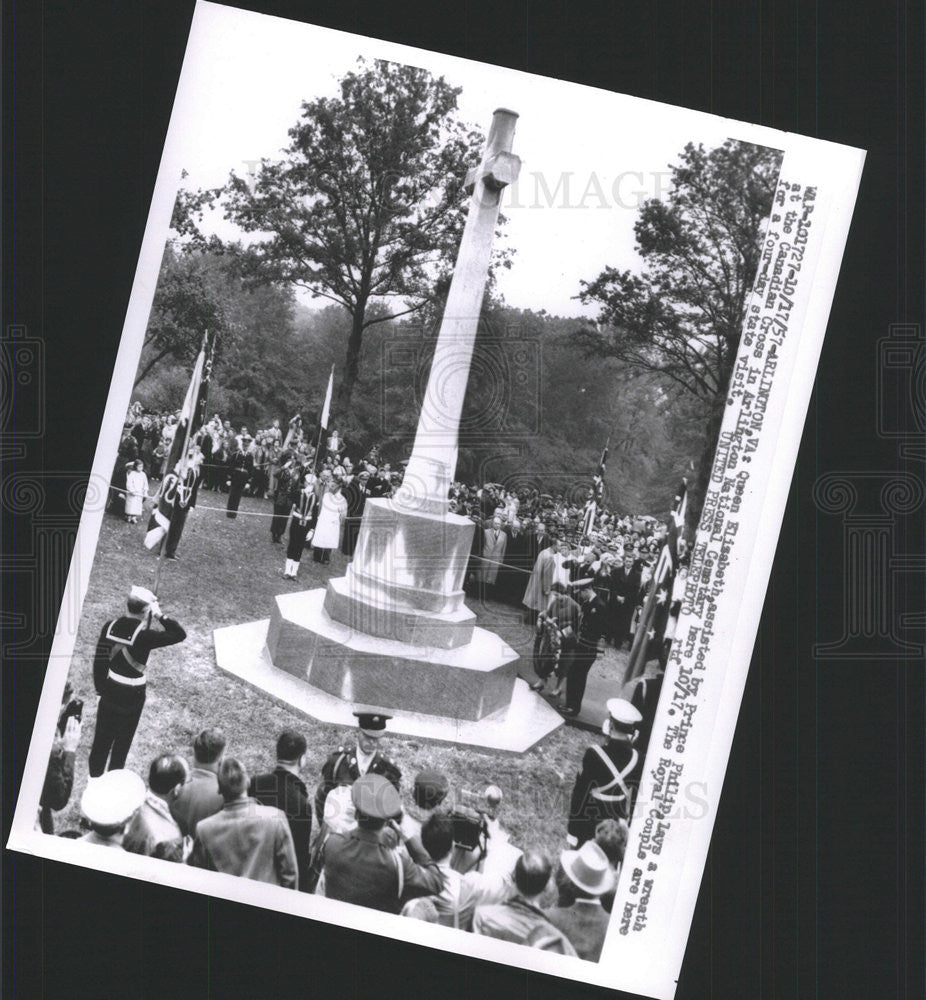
pixel 626 597
pixel 153 825
pixel 348 763
pixel 520 918
pixel 284 788
pixel 362 865
pixel 200 797
pixel 494 543
pixel 246 838
pixel 607 782
pixel 585 922
pixel 591 626
pixel 355 493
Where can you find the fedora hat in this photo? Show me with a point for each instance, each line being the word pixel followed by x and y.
pixel 589 868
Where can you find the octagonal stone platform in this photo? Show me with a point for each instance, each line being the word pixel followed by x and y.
pixel 468 682
pixel 241 652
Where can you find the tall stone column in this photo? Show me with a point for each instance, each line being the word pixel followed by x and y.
pixel 406 578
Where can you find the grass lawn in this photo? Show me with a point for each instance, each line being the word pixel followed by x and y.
pixel 228 572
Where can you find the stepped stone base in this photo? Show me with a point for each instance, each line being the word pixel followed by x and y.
pixel 469 682
pixel 362 611
pixel 241 652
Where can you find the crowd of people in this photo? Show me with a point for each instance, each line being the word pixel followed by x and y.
pixel 363 834
pixel 424 850
pixel 579 571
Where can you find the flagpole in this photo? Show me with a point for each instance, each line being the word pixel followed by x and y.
pixel 323 422
pixel 182 477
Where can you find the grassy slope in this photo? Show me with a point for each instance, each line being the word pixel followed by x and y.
pixel 228 572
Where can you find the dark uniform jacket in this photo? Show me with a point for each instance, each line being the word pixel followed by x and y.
pixel 598 794
pixel 593 623
pixel 285 790
pixel 341 769
pixel 361 867
pixel 122 656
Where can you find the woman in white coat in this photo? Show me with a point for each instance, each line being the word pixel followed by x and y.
pixel 330 519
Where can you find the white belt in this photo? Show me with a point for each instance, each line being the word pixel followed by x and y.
pixel 130 681
pixel 604 797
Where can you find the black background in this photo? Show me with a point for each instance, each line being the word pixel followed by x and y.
pixel 813 885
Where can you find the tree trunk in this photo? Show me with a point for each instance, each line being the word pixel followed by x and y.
pixel 351 362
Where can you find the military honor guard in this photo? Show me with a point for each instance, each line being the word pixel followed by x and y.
pixel 120 675
pixel 180 488
pixel 303 519
pixel 284 492
pixel 606 785
pixel 241 468
pixel 349 762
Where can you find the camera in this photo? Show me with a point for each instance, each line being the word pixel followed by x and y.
pixel 74 707
pixel 470 818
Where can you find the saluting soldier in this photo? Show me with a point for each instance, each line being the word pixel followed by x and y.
pixel 348 763
pixel 120 675
pixel 607 783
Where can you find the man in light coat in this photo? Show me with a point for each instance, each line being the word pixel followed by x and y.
pixel 245 838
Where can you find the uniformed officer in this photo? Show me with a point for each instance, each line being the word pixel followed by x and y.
pixel 108 803
pixel 607 783
pixel 362 866
pixel 348 763
pixel 119 674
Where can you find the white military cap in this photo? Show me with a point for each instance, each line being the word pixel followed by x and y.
pixel 142 594
pixel 112 798
pixel 623 718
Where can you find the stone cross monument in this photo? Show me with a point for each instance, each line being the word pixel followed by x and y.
pixel 393 633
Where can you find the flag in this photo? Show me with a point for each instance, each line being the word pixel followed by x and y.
pixel 322 435
pixel 192 417
pixel 326 409
pixel 660 586
pixel 596 500
pixel 599 475
pixel 667 563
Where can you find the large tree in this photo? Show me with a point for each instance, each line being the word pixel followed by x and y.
pixel 682 317
pixel 365 207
